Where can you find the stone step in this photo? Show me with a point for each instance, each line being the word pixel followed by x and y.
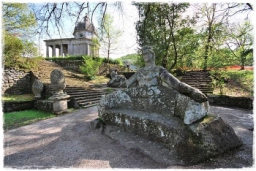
pixel 89 103
pixel 194 80
pixel 79 90
pixel 77 98
pixel 200 79
pixel 200 85
pixel 82 101
pixel 74 94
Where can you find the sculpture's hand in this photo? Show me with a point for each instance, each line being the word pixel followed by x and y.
pixel 192 92
pixel 198 96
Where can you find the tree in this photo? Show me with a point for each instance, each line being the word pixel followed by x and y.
pixel 238 8
pixel 18 24
pixel 213 18
pixel 29 49
pixel 17 18
pixel 240 41
pixel 109 36
pixel 12 48
pixel 161 25
pixel 53 15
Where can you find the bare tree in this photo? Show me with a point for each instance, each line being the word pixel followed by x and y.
pixel 54 14
pixel 238 8
pixel 109 36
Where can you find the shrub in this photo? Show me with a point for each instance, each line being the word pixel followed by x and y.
pixel 113 61
pixel 90 66
pixel 78 57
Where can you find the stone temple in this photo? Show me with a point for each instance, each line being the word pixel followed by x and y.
pixel 81 44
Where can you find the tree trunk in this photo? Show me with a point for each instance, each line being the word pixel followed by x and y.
pixel 242 62
pixel 164 62
pixel 205 57
pixel 206 52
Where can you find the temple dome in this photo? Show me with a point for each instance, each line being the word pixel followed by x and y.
pixel 84 29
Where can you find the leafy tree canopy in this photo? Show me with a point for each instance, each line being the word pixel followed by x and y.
pixel 17 18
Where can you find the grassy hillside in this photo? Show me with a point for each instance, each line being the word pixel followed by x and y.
pixel 234 83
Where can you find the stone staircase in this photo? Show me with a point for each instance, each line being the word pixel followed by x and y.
pixel 200 80
pixel 84 98
pixel 82 94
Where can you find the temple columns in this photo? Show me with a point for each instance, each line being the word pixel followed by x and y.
pixel 54 51
pixel 61 50
pixel 47 51
pixel 87 49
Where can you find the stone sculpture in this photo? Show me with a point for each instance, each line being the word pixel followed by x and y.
pixel 57 82
pixel 160 107
pixel 37 88
pixel 59 97
pixel 116 80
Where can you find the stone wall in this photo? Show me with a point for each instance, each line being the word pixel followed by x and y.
pixel 17 82
pixel 242 102
pixel 70 64
pixel 44 105
pixel 75 64
pixel 17 106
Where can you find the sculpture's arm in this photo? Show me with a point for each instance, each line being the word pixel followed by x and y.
pixel 169 79
pixel 181 87
pixel 111 81
pixel 132 80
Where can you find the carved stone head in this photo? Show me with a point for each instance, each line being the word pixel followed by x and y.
pixel 148 53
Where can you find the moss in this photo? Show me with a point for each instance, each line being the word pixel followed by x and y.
pixel 18 98
pixel 208 118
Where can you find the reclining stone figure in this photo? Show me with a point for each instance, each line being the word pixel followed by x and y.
pixel 153 88
pixel 116 80
pixel 158 106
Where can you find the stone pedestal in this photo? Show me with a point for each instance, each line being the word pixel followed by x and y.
pixel 60 103
pixel 59 98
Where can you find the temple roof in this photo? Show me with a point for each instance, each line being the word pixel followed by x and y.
pixel 86 25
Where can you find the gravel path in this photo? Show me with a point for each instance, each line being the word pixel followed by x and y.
pixel 68 141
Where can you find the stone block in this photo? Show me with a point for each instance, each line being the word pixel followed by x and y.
pixel 60 105
pixel 189 109
pixel 192 143
pixel 167 116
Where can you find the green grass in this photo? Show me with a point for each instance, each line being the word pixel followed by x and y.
pixel 238 83
pixel 21 118
pixel 99 80
pixel 18 98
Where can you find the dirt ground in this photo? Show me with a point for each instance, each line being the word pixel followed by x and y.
pixel 68 141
